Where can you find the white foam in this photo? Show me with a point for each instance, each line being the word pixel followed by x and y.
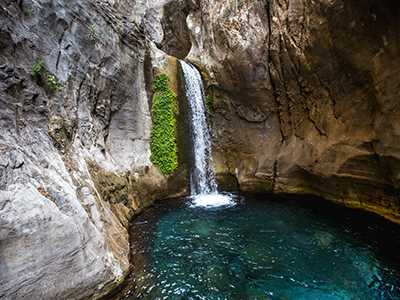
pixel 212 200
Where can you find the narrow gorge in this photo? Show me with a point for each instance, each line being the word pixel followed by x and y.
pixel 199 149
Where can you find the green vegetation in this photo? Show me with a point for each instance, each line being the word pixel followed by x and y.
pixel 92 33
pixel 307 66
pixel 227 12
pixel 52 83
pixel 38 68
pixel 28 12
pixel 43 77
pixel 163 134
pixel 210 103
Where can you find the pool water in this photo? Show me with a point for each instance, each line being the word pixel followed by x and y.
pixel 263 247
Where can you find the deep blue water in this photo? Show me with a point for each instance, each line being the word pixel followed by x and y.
pixel 265 247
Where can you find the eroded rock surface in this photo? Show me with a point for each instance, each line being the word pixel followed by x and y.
pixel 306 96
pixel 75 90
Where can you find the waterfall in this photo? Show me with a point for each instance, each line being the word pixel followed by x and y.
pixel 202 180
pixel 203 186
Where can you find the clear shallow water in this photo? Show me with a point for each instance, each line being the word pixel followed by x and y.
pixel 264 248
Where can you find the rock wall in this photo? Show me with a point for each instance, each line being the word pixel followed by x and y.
pixel 306 96
pixel 75 95
pixel 305 100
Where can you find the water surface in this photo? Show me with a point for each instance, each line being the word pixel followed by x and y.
pixel 264 247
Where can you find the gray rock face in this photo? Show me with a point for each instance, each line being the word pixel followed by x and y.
pixel 70 133
pixel 305 96
pixel 50 248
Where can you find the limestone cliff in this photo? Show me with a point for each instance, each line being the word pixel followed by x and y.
pixel 75 94
pixel 306 96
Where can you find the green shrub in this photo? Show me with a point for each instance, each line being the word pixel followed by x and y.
pixel 210 103
pixel 163 133
pixel 52 83
pixel 43 77
pixel 92 33
pixel 38 68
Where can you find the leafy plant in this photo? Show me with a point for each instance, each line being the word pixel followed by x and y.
pixel 38 68
pixel 52 83
pixel 43 77
pixel 163 133
pixel 92 33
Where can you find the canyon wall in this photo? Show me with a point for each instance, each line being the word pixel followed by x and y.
pixel 75 122
pixel 305 96
pixel 304 99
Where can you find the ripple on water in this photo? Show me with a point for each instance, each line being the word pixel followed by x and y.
pixel 270 249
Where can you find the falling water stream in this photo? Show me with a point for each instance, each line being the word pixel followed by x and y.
pixel 203 185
